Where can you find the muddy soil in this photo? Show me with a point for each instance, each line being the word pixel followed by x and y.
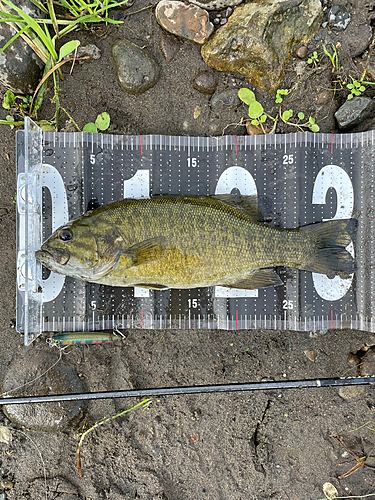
pixel 260 446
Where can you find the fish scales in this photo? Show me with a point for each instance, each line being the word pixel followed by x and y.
pixel 191 241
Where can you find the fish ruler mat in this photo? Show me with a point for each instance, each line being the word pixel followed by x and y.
pixel 299 179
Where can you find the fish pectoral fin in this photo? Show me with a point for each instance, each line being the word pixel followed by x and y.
pixel 153 286
pixel 258 278
pixel 145 251
pixel 246 204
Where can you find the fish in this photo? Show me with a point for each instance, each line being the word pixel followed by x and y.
pixel 176 241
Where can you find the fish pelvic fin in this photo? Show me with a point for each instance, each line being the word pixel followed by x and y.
pixel 330 240
pixel 257 278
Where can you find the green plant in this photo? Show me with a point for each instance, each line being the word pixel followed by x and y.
pixel 279 93
pixel 256 111
pixel 101 123
pixel 356 88
pixel 313 59
pixel 36 34
pixel 310 124
pixel 332 57
pixel 259 117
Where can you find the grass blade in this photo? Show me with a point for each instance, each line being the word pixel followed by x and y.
pixel 46 39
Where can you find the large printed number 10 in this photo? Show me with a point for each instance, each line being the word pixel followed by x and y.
pixel 330 176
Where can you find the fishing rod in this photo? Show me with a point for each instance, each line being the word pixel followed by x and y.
pixel 195 389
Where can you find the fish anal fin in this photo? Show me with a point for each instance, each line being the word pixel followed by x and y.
pixel 258 278
pixel 246 204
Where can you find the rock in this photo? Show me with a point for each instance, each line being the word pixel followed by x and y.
pixel 187 21
pixel 50 417
pixel 137 71
pixel 301 52
pixel 169 46
pixel 324 97
pixel 258 39
pixel 216 4
pixel 205 82
pixel 226 99
pixel 310 355
pixel 351 391
pixel 353 112
pixel 20 68
pixel 367 365
pixel 253 129
pixel 338 18
pixel 357 38
pixel 91 50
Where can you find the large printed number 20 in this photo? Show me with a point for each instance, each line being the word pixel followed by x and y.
pixel 330 176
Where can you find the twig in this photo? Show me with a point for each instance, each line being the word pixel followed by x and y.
pixel 84 434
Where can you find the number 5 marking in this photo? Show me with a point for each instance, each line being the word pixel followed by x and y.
pixel 332 176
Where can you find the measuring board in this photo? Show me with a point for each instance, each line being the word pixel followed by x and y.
pixel 299 179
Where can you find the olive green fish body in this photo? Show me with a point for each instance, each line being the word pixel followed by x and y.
pixel 188 242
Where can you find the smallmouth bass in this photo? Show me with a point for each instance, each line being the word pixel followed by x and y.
pixel 175 241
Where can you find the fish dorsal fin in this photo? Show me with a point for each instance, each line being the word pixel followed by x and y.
pixel 258 278
pixel 246 204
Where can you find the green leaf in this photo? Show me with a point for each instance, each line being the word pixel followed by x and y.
pixel 350 96
pixel 309 60
pixel 263 118
pixel 103 121
pixel 67 48
pixel 350 86
pixel 255 109
pixel 5 434
pixel 362 88
pixel 90 127
pixel 8 101
pixel 278 99
pixel 314 127
pixel 246 95
pixel 287 114
pixel 10 120
pixel 301 115
pixel 254 122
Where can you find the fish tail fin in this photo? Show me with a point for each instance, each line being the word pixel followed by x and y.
pixel 329 240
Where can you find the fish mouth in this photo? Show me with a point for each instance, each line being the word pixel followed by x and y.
pixel 52 256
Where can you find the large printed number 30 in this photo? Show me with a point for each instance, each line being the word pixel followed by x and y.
pixel 332 176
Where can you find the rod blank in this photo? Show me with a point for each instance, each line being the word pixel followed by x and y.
pixel 197 389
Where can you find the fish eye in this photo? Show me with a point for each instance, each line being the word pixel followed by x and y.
pixel 66 235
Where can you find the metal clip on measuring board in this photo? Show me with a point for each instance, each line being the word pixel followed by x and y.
pixel 298 179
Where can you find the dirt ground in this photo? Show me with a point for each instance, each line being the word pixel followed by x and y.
pixel 243 446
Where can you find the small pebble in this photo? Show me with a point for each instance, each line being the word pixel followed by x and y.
pixel 169 46
pixel 7 484
pixel 253 129
pixel 228 12
pixel 339 18
pixel 223 21
pixel 367 366
pixel 226 99
pixel 310 355
pixel 324 97
pixel 301 52
pixel 216 21
pixel 205 82
pixel 325 24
